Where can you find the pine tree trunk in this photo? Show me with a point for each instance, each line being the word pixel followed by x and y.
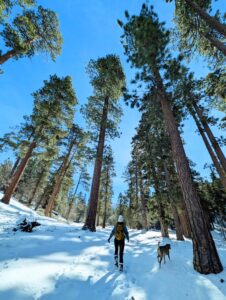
pixel 38 203
pixel 7 56
pixel 105 199
pixel 92 210
pixel 178 226
pixel 69 210
pixel 161 212
pixel 211 137
pixel 143 204
pixel 211 153
pixel 184 220
pixel 206 259
pixel 56 189
pixel 36 187
pixel 211 21
pixel 15 167
pixel 18 174
pixel 58 181
pixel 98 213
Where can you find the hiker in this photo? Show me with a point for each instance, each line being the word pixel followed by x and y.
pixel 120 232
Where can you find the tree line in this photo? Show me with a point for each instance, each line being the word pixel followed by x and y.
pixel 163 187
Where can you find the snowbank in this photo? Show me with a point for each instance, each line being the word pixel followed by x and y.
pixel 59 261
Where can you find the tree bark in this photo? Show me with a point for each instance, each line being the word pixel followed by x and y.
pixel 105 199
pixel 15 166
pixel 183 217
pixel 211 153
pixel 18 174
pixel 98 213
pixel 59 178
pixel 93 202
pixel 179 230
pixel 206 259
pixel 7 56
pixel 211 21
pixel 211 137
pixel 57 185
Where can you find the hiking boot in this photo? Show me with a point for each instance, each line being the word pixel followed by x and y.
pixel 120 267
pixel 116 261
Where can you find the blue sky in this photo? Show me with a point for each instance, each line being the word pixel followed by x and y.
pixel 90 30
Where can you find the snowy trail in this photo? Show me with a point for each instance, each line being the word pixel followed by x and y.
pixel 60 261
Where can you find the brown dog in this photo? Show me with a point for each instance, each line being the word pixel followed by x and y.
pixel 162 251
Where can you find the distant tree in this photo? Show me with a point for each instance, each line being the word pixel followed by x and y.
pixel 74 142
pixel 5 170
pixel 52 115
pixel 83 181
pixel 102 113
pixel 35 31
pixel 80 208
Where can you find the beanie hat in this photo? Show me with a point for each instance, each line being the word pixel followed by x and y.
pixel 120 218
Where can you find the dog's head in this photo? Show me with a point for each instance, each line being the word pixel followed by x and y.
pixel 168 246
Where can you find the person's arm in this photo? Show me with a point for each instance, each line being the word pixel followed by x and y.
pixel 126 233
pixel 112 233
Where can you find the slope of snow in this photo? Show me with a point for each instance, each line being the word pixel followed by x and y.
pixel 60 261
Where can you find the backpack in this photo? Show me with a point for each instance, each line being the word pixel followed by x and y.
pixel 119 232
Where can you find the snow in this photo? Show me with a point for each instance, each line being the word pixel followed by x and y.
pixel 60 261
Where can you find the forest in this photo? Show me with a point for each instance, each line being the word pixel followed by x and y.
pixel 60 165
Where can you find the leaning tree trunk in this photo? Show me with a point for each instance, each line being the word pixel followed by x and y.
pixel 57 185
pixel 15 166
pixel 59 179
pixel 206 259
pixel 211 21
pixel 7 56
pixel 211 153
pixel 17 176
pixel 211 137
pixel 93 202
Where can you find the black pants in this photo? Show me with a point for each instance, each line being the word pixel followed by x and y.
pixel 119 245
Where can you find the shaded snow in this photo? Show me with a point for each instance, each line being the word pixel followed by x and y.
pixel 60 261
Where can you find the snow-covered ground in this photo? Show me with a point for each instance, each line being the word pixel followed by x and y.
pixel 58 261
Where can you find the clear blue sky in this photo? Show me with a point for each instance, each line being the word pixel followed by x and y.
pixel 90 30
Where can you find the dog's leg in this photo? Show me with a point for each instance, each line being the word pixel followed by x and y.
pixel 160 261
pixel 169 256
pixel 164 256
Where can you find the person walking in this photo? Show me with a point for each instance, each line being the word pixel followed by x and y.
pixel 120 232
